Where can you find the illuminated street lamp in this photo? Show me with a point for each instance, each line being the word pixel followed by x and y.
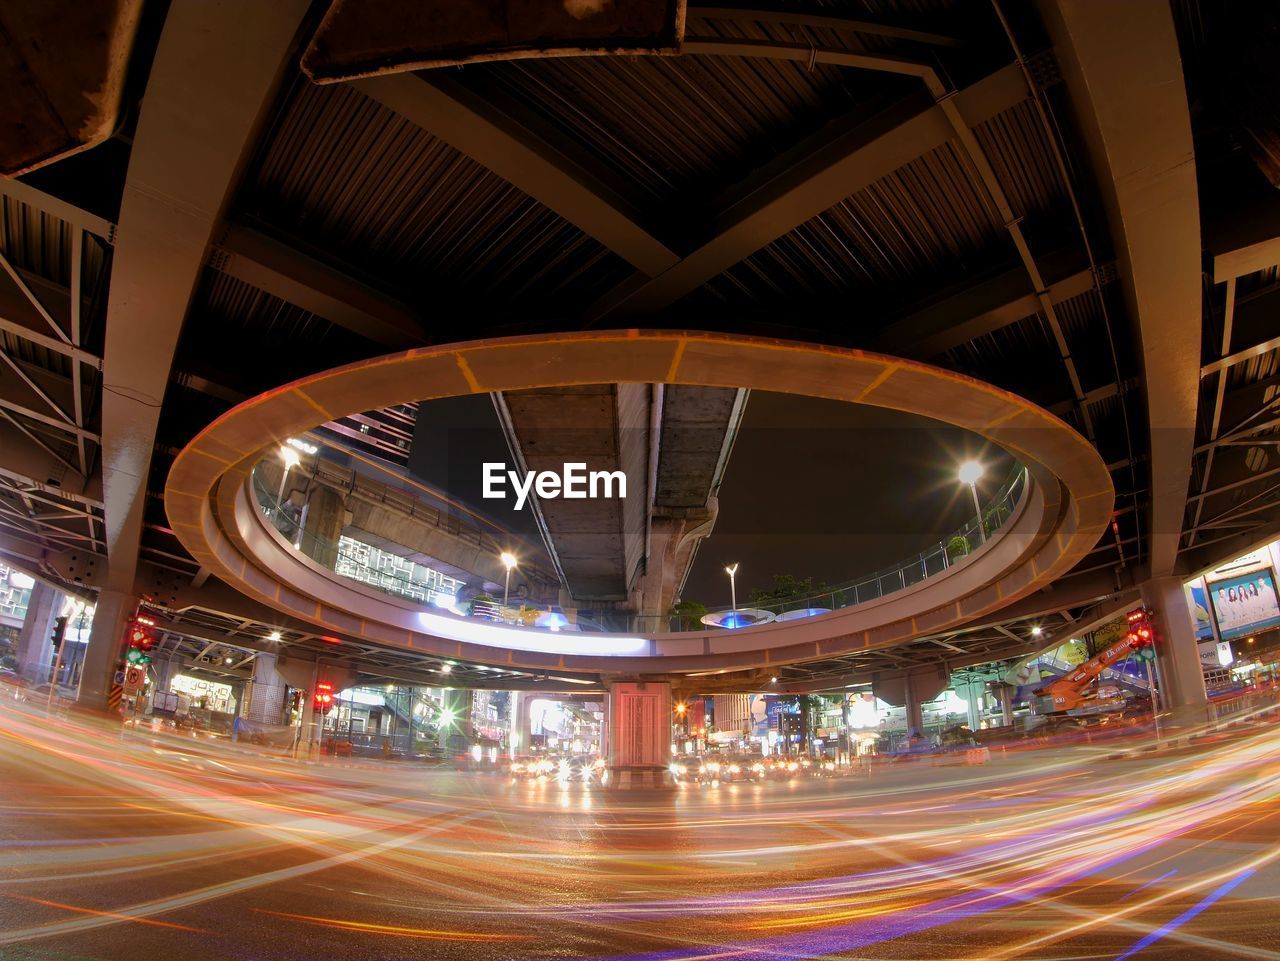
pixel 731 570
pixel 509 561
pixel 971 473
pixel 291 460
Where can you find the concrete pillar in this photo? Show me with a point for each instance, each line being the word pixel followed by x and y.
pixel 459 704
pixel 102 657
pixel 521 722
pixel 264 696
pixel 1006 703
pixel 638 739
pixel 305 677
pixel 323 522
pixel 35 642
pixel 973 700
pixel 167 669
pixel 915 709
pixel 1177 651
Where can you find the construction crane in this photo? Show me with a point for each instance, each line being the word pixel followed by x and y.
pixel 1071 693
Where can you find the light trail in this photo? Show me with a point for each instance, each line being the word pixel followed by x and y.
pixel 1029 855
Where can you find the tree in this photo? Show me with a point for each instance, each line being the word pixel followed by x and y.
pixel 786 589
pixel 957 548
pixel 994 518
pixel 689 615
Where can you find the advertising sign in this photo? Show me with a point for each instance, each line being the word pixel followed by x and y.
pixel 1199 610
pixel 1245 602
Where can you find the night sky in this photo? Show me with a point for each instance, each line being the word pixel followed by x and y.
pixel 833 491
pixel 815 488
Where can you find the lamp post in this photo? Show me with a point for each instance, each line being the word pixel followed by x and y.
pixel 971 473
pixel 509 561
pixel 731 570
pixel 291 460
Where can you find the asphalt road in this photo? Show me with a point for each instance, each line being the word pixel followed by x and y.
pixel 141 847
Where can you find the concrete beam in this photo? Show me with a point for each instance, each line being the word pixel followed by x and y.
pixel 291 275
pixel 805 182
pixel 1124 80
pixel 698 429
pixel 599 544
pixel 544 170
pixel 215 71
pixel 981 309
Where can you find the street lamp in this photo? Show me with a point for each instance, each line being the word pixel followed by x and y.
pixel 508 561
pixel 971 473
pixel 731 570
pixel 291 460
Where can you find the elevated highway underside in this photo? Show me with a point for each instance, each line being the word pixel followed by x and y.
pixel 998 222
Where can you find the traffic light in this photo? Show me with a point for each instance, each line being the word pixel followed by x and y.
pixel 323 699
pixel 1140 636
pixel 140 641
pixel 59 633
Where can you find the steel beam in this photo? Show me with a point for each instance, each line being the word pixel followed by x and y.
pixel 1240 356
pixel 47 203
pixel 1124 78
pixel 1247 241
pixel 29 463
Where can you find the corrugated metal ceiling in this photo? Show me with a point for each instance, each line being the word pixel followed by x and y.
pixel 374 191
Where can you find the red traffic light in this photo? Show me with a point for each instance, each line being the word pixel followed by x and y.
pixel 323 698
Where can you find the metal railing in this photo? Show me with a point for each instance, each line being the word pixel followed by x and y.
pixel 1113 674
pixel 935 559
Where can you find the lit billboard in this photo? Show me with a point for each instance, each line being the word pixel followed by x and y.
pixel 1245 603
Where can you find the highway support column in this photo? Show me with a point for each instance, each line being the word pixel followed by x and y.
pixel 265 692
pixel 323 522
pixel 638 734
pixel 105 648
pixel 1178 651
pixel 35 642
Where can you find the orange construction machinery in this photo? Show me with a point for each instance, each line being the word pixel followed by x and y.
pixel 1076 692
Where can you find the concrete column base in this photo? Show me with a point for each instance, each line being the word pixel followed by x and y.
pixel 1183 697
pixel 104 653
pixel 640 779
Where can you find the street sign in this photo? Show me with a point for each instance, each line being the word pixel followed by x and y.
pixel 119 678
pixel 135 676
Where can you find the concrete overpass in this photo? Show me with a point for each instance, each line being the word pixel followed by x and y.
pixel 671 442
pixel 1050 202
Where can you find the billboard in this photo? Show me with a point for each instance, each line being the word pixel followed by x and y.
pixel 1245 603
